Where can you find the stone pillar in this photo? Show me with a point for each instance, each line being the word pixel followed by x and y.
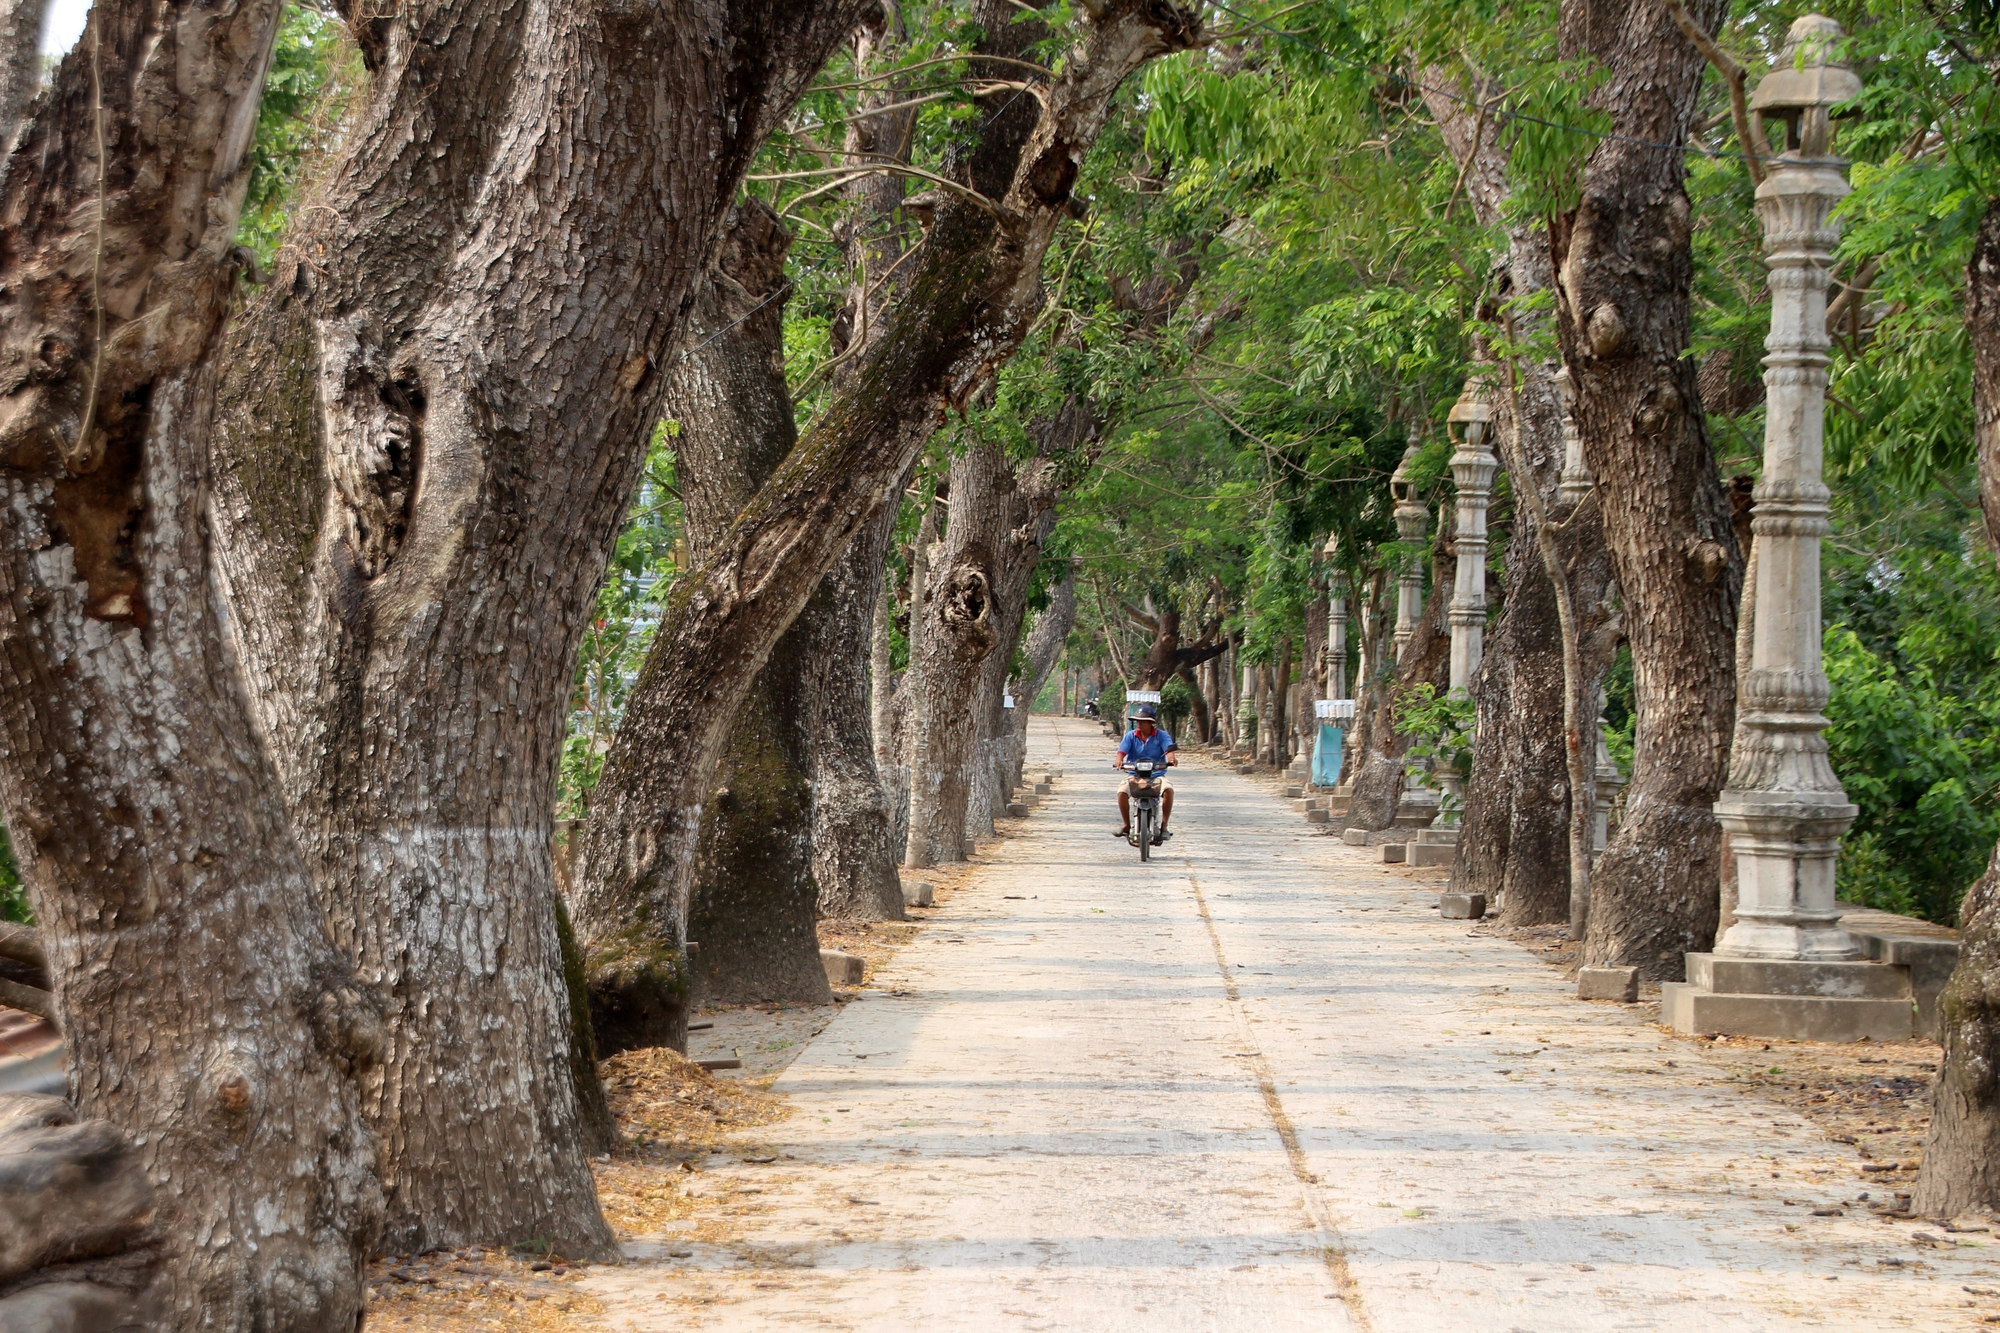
pixel 1412 521
pixel 1575 483
pixel 1247 711
pixel 1472 467
pixel 1784 809
pixel 1419 803
pixel 1336 649
pixel 1609 780
pixel 1786 968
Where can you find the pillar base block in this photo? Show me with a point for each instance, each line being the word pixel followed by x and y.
pixel 1426 853
pixel 1791 999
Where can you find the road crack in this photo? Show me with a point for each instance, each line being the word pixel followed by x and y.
pixel 1332 1252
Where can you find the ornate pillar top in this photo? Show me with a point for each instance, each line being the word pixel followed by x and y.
pixel 1471 425
pixel 1806 83
pixel 1412 517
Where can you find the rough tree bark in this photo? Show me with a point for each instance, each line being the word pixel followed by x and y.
pixel 961 622
pixel 1166 656
pixel 205 1012
pixel 1514 846
pixel 854 848
pixel 1032 520
pixel 973 294
pixel 1623 269
pixel 465 338
pixel 1045 644
pixel 1366 679
pixel 79 1237
pixel 1961 1167
pixel 967 620
pixel 755 900
pixel 854 853
pixel 20 64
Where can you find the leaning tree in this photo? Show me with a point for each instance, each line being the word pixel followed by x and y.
pixel 1623 270
pixel 403 475
pixel 972 296
pixel 205 1010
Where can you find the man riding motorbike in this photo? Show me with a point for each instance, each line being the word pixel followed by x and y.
pixel 1146 741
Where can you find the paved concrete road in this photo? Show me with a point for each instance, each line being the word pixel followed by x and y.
pixel 1259 1085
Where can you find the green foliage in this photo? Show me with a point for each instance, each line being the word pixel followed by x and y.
pixel 1922 765
pixel 13 894
pixel 1912 599
pixel 650 555
pixel 1439 726
pixel 314 72
pixel 1550 106
pixel 1621 710
pixel 1176 702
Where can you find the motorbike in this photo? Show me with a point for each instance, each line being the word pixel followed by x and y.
pixel 1145 805
pixel 1090 708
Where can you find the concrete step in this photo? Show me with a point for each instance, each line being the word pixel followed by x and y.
pixel 1688 1008
pixel 1929 950
pixel 1433 853
pixel 1755 976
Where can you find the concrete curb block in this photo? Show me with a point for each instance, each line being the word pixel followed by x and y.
pixel 842 969
pixel 1608 983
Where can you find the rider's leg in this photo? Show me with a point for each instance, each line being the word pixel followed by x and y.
pixel 1166 808
pixel 1124 811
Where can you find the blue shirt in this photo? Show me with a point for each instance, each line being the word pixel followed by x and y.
pixel 1155 749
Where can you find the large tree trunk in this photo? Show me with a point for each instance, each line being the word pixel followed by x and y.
pixel 755 901
pixel 20 64
pixel 466 339
pixel 1030 520
pixel 855 851
pixel 961 622
pixel 755 904
pixel 1515 842
pixel 1624 268
pixel 973 294
pixel 1514 845
pixel 854 854
pixel 204 1010
pixel 1961 1167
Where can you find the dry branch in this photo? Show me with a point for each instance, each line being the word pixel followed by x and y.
pixel 1755 147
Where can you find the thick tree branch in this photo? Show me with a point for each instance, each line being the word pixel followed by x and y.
pixel 33 999
pixel 23 944
pixel 1755 147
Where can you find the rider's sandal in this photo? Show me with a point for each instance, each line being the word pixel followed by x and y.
pixel 1125 833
